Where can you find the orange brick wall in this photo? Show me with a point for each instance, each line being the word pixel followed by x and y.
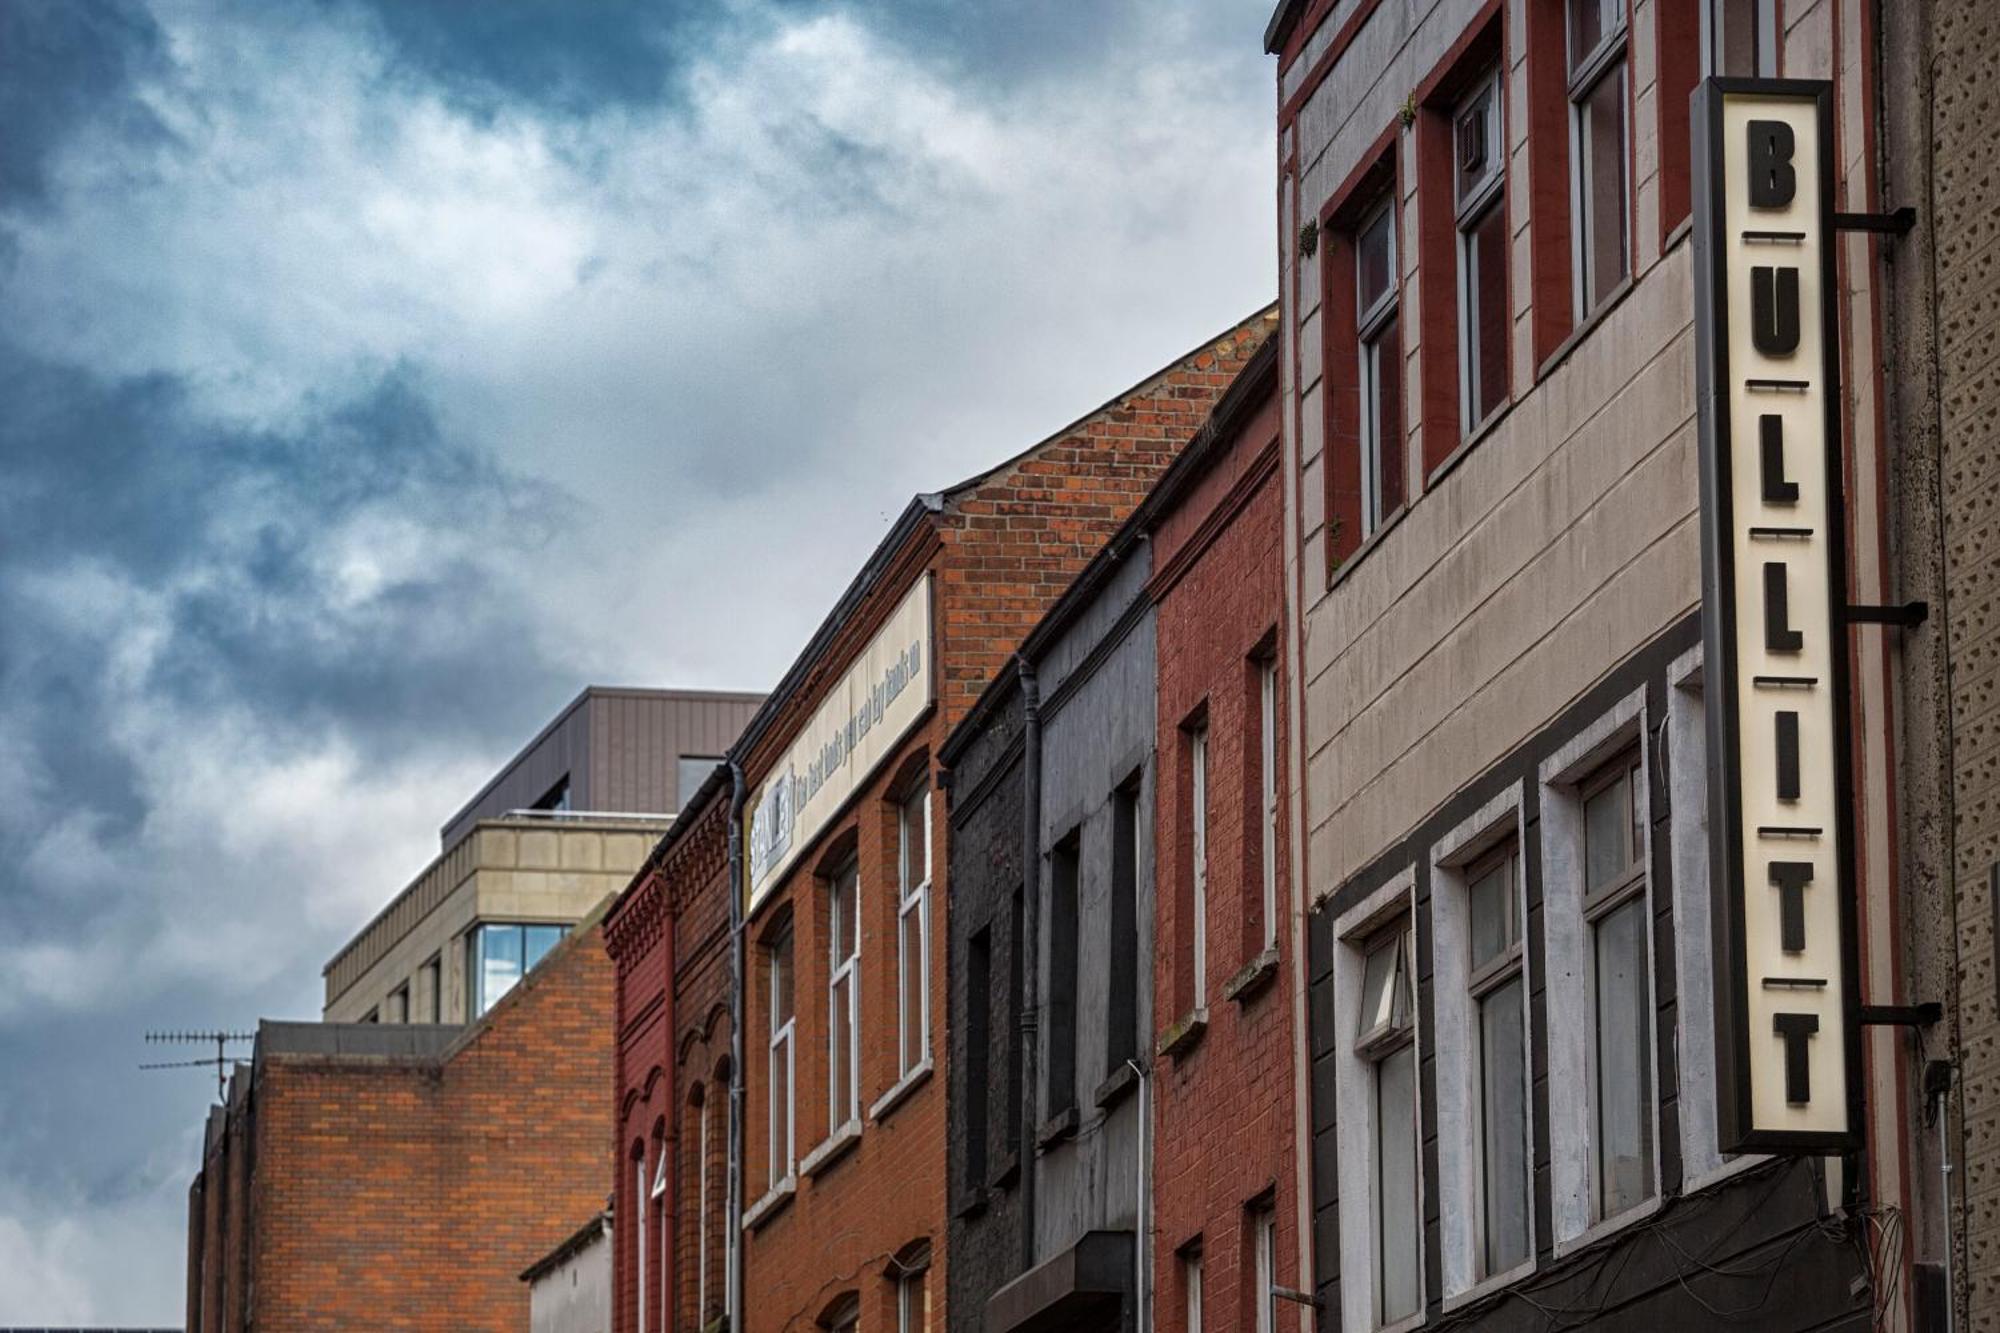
pixel 404 1194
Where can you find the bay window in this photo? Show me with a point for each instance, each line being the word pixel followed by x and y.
pixel 1599 186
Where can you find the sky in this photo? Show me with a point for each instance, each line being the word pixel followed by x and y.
pixel 374 374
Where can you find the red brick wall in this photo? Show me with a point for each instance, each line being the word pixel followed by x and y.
pixel 408 1195
pixel 1223 1108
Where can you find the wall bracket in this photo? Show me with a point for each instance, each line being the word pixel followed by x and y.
pixel 1896 222
pixel 1908 616
pixel 1901 1015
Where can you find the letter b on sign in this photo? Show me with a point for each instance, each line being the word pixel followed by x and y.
pixel 1772 180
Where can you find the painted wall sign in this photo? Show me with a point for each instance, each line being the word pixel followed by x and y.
pixel 858 721
pixel 1773 602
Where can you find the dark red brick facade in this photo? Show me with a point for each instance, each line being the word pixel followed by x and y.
pixel 351 1191
pixel 668 936
pixel 1223 1110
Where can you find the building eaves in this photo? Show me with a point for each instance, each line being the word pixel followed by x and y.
pixel 711 789
pixel 596 1229
pixel 1280 27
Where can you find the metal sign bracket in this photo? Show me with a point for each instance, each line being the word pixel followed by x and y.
pixel 1896 222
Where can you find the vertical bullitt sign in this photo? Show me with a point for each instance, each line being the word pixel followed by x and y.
pixel 1773 618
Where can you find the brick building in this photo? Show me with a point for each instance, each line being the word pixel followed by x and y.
pixel 1522 1057
pixel 1122 1139
pixel 1225 1182
pixel 845 868
pixel 668 937
pixel 370 1175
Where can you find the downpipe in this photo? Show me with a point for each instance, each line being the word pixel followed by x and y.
pixel 737 981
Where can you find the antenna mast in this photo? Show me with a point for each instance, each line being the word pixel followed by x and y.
pixel 220 1059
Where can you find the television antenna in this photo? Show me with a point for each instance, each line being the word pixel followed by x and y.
pixel 220 1060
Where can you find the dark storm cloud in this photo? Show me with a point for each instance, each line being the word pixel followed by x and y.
pixel 546 56
pixel 232 530
pixel 60 64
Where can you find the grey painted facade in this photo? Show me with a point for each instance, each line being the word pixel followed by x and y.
pixel 618 749
pixel 570 1290
pixel 1094 667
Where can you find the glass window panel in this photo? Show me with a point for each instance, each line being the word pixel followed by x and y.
pixel 541 939
pixel 1490 899
pixel 1605 816
pixel 1192 1281
pixel 500 963
pixel 781 981
pixel 1383 362
pixel 1624 1061
pixel 781 1109
pixel 840 1053
pixel 1590 22
pixel 1397 1238
pixel 1375 260
pixel 1477 149
pixel 1503 1068
pixel 1734 34
pixel 1602 128
pixel 1378 979
pixel 910 949
pixel 1486 322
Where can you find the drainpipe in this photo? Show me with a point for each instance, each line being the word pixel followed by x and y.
pixel 1142 1257
pixel 733 1261
pixel 1031 886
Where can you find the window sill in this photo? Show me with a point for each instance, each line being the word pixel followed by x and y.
pixel 837 1145
pixel 1609 1226
pixel 906 1085
pixel 1368 544
pixel 1006 1169
pixel 1468 444
pixel 1117 1086
pixel 973 1205
pixel 1585 329
pixel 773 1202
pixel 1060 1126
pixel 1253 980
pixel 1485 1287
pixel 1184 1035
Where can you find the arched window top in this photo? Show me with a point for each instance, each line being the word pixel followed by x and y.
pixel 842 1314
pixel 912 1259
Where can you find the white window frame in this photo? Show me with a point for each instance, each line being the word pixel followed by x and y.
pixel 1198 820
pixel 783 1046
pixel 1267 785
pixel 1703 1163
pixel 641 1205
pixel 1767 38
pixel 843 975
pixel 912 1290
pixel 1460 1115
pixel 1191 1287
pixel 1612 49
pixel 913 932
pixel 1264 1266
pixel 701 1213
pixel 1369 323
pixel 658 1199
pixel 1354 1096
pixel 1471 209
pixel 1569 985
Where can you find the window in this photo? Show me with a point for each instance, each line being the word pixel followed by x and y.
pixel 843 1035
pixel 1739 38
pixel 500 955
pixel 1191 1287
pixel 1197 904
pixel 1479 174
pixel 1122 1009
pixel 1615 907
pixel 639 1211
pixel 690 771
pixel 912 1295
pixel 783 1062
pixel 1017 1050
pixel 396 1009
pixel 978 1039
pixel 1063 978
pixel 1381 370
pixel 913 930
pixel 1264 1267
pixel 1597 146
pixel 430 992
pixel 701 1212
pixel 1498 994
pixel 1385 1037
pixel 843 1316
pixel 1267 794
pixel 656 1205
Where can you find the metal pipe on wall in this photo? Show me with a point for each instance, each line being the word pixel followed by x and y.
pixel 734 1231
pixel 1031 892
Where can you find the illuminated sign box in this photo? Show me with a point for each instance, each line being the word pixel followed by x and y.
pixel 1775 652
